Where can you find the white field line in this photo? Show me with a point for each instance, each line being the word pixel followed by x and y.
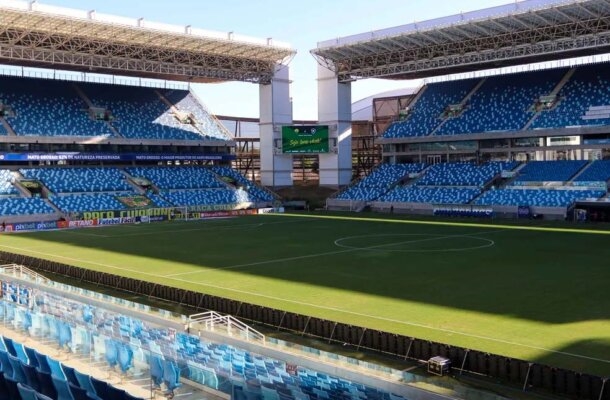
pixel 327 308
pixel 208 228
pixel 27 251
pixel 329 253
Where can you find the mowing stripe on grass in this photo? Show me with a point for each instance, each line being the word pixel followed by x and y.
pixel 206 228
pixel 445 223
pixel 321 307
pixel 329 253
pixel 80 233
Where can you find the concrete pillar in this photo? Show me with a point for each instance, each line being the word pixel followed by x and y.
pixel 335 110
pixel 275 111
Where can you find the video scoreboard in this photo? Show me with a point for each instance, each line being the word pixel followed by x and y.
pixel 305 139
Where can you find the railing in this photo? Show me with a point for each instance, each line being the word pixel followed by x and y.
pixel 91 78
pixel 226 324
pixel 22 272
pixel 88 339
pixel 26 274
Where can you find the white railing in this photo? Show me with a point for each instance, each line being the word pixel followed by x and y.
pixel 226 324
pixel 19 271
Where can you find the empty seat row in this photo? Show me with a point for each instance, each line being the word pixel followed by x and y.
pixel 549 171
pixel 42 107
pixel 119 339
pixel 537 197
pixel 79 179
pixel 505 103
pixel 27 374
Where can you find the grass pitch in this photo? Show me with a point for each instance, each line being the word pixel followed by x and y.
pixel 535 293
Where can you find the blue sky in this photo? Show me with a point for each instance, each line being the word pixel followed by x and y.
pixel 298 22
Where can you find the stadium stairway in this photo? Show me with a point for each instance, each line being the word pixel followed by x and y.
pixel 130 181
pixel 461 103
pixel 9 129
pixel 510 181
pixel 53 206
pixel 419 94
pixel 17 184
pixel 86 99
pixel 82 95
pixel 580 172
pixel 174 109
pixel 554 92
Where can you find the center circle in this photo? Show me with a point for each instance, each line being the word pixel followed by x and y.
pixel 401 239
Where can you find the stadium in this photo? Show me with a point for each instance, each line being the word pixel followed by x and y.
pixel 453 244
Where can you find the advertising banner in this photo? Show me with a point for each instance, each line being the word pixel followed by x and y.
pixel 81 223
pixel 150 212
pixel 34 226
pixel 60 156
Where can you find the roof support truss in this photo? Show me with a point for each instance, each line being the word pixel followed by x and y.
pixel 560 31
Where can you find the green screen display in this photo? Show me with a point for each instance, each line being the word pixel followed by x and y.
pixel 305 139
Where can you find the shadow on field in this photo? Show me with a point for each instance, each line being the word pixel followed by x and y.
pixel 541 276
pixel 596 348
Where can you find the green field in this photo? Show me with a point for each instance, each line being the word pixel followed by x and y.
pixel 535 293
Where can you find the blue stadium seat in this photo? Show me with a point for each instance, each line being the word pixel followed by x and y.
pixel 549 171
pixel 79 179
pixel 48 108
pixel 587 87
pixel 63 389
pixel 537 197
pixel 503 102
pixel 207 124
pixel 139 113
pixel 24 206
pixel 125 357
pixel 598 171
pixel 426 112
pixel 156 370
pixel 6 182
pixel 26 392
pixel 379 181
pixel 46 384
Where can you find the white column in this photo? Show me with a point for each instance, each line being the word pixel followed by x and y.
pixel 335 110
pixel 275 111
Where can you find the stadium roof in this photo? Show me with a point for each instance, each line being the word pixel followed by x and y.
pixel 513 34
pixel 37 35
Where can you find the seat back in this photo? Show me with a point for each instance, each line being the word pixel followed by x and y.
pixel 156 369
pixel 111 352
pixel 78 393
pixel 26 392
pixel 55 367
pixel 5 364
pixel 101 388
pixel 43 364
pixel 62 388
pixel 31 376
pixel 31 353
pixel 46 384
pixel 84 382
pixel 125 357
pixel 18 374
